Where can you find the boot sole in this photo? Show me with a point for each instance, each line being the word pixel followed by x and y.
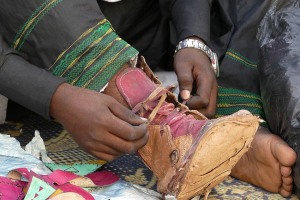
pixel 214 157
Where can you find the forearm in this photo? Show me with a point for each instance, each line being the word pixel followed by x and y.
pixel 66 40
pixel 25 83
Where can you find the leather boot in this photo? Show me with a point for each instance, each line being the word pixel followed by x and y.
pixel 188 153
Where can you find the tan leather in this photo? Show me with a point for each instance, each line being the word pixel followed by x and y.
pixel 223 144
pixel 160 154
pixel 185 167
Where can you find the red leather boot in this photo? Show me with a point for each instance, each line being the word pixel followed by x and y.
pixel 188 153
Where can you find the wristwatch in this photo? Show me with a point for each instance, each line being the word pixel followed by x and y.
pixel 197 44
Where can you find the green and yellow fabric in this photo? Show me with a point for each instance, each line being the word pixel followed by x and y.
pixel 81 46
pixel 230 97
pixel 70 39
pixel 231 100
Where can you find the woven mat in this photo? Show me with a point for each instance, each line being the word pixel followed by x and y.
pixel 63 150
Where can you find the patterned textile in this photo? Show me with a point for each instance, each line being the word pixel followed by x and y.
pixel 94 57
pixel 38 14
pixel 85 50
pixel 89 61
pixel 231 100
pixel 63 150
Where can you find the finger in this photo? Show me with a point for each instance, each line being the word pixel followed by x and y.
pixel 211 109
pixel 105 149
pixel 98 144
pixel 114 145
pixel 103 156
pixel 185 81
pixel 185 94
pixel 125 130
pixel 124 123
pixel 125 114
pixel 204 85
pixel 133 146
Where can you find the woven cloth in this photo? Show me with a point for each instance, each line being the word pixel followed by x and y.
pixel 62 149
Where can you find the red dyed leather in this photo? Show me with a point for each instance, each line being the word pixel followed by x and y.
pixel 180 139
pixel 11 189
pixel 58 179
pixel 103 178
pixel 135 87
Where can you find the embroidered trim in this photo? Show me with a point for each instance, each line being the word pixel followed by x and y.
pixel 94 57
pixel 232 100
pixel 34 19
pixel 241 59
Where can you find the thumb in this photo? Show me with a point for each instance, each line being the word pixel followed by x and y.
pixel 185 81
pixel 185 94
pixel 126 114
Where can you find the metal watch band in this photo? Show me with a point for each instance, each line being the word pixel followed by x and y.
pixel 197 44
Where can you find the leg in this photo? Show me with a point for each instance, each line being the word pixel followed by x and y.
pixel 267 164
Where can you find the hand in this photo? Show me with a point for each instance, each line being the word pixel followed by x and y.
pixel 194 73
pixel 98 123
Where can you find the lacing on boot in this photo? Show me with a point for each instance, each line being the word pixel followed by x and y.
pixel 160 112
pixel 180 139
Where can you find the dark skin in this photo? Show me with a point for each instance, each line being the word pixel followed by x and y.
pixel 98 123
pixel 194 73
pixel 105 128
pixel 268 163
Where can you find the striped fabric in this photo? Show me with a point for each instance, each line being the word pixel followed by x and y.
pixel 31 23
pixel 231 100
pixel 94 57
pixel 234 55
pixel 91 60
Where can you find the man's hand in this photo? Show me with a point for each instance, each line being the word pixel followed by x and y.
pixel 97 122
pixel 194 73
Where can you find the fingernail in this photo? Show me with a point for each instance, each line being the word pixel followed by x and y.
pixel 185 94
pixel 144 119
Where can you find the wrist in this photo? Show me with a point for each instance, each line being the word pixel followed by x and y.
pixel 59 100
pixel 197 43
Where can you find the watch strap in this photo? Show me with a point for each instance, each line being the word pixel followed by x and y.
pixel 197 44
